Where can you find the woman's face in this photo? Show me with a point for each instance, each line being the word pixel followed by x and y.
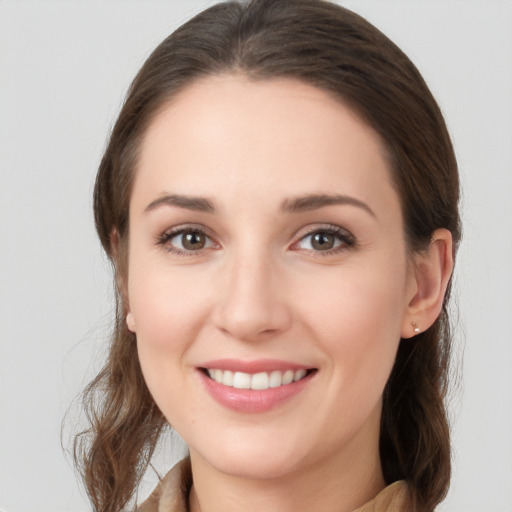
pixel 265 245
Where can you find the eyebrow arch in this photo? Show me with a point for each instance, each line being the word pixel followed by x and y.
pixel 200 204
pixel 316 201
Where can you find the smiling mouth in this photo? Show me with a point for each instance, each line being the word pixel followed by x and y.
pixel 256 381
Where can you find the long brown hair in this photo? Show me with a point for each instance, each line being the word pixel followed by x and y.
pixel 336 50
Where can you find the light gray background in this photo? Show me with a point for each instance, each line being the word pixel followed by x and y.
pixel 64 68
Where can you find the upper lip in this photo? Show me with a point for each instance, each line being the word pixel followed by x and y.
pixel 255 366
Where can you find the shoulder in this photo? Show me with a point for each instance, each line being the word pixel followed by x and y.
pixel 171 494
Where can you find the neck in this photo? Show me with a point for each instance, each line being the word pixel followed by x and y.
pixel 340 483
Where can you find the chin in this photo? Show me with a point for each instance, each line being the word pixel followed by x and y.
pixel 262 467
pixel 251 458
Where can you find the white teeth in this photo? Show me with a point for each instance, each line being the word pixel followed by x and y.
pixel 241 380
pixel 257 381
pixel 227 378
pixel 287 377
pixel 275 379
pixel 299 374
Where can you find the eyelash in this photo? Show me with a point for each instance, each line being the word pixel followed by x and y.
pixel 346 239
pixel 167 236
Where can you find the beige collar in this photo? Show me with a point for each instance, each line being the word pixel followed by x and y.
pixel 171 495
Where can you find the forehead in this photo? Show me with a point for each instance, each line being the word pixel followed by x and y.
pixel 273 138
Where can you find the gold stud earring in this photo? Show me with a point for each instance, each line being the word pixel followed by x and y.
pixel 415 327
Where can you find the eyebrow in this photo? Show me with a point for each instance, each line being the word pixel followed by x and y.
pixel 316 201
pixel 200 204
pixel 294 205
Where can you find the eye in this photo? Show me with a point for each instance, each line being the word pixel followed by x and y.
pixel 326 240
pixel 186 240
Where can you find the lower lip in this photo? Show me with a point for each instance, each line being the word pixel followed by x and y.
pixel 253 401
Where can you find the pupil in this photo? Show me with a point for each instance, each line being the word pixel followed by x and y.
pixel 323 241
pixel 193 241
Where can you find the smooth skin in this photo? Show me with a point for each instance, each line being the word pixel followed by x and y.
pixel 230 257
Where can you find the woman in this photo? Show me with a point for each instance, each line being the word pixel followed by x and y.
pixel 279 201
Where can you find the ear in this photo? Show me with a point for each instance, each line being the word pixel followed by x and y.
pixel 130 322
pixel 430 276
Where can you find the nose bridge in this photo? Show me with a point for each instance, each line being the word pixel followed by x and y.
pixel 252 303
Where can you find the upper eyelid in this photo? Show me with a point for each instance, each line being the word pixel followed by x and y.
pixel 314 228
pixel 347 238
pixel 181 228
pixel 165 236
pixel 163 240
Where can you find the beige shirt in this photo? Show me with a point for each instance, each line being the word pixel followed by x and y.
pixel 171 495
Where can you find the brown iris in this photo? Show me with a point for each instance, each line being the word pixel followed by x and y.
pixel 193 240
pixel 322 241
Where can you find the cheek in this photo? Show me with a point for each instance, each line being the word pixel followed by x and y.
pixel 355 299
pixel 167 313
pixel 358 330
pixel 167 308
pixel 356 316
pixel 166 302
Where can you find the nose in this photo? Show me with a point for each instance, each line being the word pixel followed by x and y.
pixel 252 305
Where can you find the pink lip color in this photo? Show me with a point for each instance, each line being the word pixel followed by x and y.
pixel 247 400
pixel 261 365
